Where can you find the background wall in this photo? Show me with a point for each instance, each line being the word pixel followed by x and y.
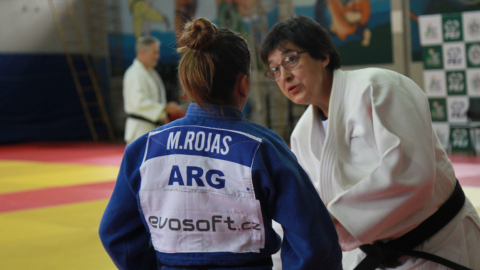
pixel 39 102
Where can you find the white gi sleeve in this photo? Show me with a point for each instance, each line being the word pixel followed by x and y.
pixel 384 201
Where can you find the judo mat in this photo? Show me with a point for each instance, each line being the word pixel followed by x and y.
pixel 52 197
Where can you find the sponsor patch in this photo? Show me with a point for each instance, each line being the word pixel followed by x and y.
pixel 197 193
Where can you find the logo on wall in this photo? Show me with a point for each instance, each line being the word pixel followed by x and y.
pixel 473 52
pixel 473 82
pixel 431 29
pixel 460 138
pixel 451 30
pixel 476 82
pixel 431 32
pixel 432 57
pixel 454 54
pixel 434 83
pixel 443 133
pixel 456 83
pixel 474 28
pixel 471 29
pixel 438 109
pixel 459 73
pixel 457 109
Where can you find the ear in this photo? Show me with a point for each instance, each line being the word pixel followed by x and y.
pixel 326 61
pixel 243 85
pixel 241 91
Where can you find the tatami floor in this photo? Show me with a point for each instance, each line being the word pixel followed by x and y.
pixel 52 196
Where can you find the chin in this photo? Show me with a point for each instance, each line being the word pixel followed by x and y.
pixel 299 101
pixel 291 99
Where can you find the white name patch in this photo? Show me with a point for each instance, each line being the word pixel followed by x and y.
pixel 197 193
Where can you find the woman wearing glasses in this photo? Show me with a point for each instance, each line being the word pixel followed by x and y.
pixel 368 145
pixel 201 192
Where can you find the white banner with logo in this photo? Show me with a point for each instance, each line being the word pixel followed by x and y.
pixel 451 56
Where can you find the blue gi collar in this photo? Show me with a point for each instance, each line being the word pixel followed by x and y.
pixel 215 111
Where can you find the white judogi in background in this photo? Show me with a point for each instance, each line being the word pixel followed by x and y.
pixel 144 95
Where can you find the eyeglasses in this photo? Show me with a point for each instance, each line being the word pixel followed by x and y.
pixel 289 62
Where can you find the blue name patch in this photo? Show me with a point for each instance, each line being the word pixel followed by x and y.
pixel 202 141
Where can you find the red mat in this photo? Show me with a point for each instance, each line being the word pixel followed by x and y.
pixel 68 152
pixel 55 196
pixel 467 170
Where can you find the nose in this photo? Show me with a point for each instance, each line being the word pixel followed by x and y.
pixel 285 74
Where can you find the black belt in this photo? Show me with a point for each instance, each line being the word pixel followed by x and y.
pixel 157 123
pixel 387 254
pixel 263 262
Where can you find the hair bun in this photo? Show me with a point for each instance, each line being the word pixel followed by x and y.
pixel 198 34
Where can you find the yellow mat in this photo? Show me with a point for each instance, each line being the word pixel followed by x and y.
pixel 66 236
pixel 25 175
pixel 61 237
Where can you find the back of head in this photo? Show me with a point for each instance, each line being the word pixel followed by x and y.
pixel 212 60
pixel 305 33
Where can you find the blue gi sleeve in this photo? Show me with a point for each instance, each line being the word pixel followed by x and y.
pixel 310 239
pixel 122 231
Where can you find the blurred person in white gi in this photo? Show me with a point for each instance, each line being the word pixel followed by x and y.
pixel 367 142
pixel 144 93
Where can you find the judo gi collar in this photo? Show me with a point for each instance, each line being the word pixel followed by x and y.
pixel 214 111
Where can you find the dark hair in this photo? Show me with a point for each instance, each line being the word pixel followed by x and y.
pixel 305 33
pixel 212 60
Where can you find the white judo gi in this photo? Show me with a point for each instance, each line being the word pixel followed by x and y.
pixel 144 95
pixel 381 169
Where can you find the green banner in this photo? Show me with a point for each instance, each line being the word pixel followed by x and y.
pixel 460 139
pixel 438 109
pixel 452 27
pixel 456 83
pixel 432 57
